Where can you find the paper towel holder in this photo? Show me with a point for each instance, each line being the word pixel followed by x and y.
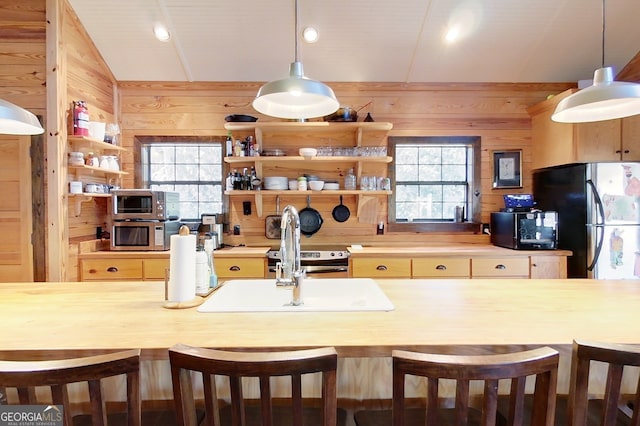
pixel 196 301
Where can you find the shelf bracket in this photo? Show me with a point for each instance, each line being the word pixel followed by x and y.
pixel 258 198
pixel 78 204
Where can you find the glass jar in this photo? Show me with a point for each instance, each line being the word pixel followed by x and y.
pixel 350 180
pixel 302 183
pixel 92 160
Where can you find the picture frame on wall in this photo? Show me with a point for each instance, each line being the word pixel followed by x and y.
pixel 507 169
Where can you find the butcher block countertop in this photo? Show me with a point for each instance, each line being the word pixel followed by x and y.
pixel 475 250
pixel 79 318
pixel 471 250
pixel 225 252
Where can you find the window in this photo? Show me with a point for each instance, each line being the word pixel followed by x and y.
pixel 191 168
pixel 431 176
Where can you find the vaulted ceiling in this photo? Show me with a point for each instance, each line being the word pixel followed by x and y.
pixel 363 40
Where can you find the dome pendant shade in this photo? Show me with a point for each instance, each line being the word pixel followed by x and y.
pixel 18 121
pixel 296 97
pixel 606 99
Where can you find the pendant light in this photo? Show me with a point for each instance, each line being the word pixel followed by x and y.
pixel 17 121
pixel 605 99
pixel 296 97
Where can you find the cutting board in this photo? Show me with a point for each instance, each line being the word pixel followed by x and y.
pixel 368 209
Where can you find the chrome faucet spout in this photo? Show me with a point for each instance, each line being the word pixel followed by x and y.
pixel 289 273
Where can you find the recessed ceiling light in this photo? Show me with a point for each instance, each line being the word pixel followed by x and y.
pixel 161 32
pixel 310 35
pixel 452 35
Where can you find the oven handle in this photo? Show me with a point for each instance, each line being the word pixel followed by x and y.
pixel 319 269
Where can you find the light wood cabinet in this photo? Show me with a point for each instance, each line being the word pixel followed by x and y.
pixel 548 267
pixel 441 267
pixel 155 269
pixel 111 269
pixel 239 267
pixel 380 268
pixel 563 143
pixel 290 136
pixel 488 267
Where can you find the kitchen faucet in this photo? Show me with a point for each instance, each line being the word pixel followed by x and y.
pixel 289 273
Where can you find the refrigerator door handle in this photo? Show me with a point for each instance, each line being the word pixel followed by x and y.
pixel 598 201
pixel 599 235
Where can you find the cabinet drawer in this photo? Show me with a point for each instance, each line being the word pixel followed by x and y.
pixel 435 267
pixel 239 267
pixel 381 268
pixel 500 267
pixel 111 269
pixel 154 269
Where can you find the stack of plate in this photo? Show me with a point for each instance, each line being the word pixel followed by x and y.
pixel 276 183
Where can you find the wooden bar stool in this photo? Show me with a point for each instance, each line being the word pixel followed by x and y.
pixel 541 363
pixel 25 376
pixel 611 410
pixel 263 365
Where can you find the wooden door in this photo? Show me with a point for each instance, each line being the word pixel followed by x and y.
pixel 16 251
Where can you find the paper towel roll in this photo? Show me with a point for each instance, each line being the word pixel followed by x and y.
pixel 182 272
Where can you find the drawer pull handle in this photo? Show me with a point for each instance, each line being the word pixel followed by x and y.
pixel 626 151
pixel 441 268
pixel 112 269
pixel 381 268
pixel 234 268
pixel 501 266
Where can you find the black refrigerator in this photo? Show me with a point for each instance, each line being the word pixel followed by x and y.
pixel 598 207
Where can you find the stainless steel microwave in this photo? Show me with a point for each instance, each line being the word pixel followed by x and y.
pixel 144 204
pixel 536 230
pixel 142 235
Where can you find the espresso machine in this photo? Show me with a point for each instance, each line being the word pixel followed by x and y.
pixel 211 227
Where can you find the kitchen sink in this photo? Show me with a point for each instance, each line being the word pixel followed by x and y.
pixel 318 295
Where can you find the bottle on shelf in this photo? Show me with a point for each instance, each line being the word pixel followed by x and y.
pixel 229 144
pixel 237 149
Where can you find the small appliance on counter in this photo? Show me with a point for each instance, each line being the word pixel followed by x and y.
pixel 521 227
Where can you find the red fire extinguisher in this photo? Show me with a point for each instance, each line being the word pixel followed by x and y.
pixel 80 119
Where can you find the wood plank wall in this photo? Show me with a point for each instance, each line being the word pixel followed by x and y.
pixel 495 112
pixel 22 82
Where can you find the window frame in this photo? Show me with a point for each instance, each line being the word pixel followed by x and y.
pixel 471 223
pixel 140 141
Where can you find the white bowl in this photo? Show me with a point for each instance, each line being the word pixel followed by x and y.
pixel 293 185
pixel 331 186
pixel 308 152
pixel 316 185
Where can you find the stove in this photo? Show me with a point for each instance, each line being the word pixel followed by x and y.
pixel 330 261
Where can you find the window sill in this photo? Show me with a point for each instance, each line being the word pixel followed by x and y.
pixel 414 227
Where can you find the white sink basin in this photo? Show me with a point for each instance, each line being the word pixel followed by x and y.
pixel 318 295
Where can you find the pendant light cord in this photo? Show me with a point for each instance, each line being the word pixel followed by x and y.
pixel 603 30
pixel 295 38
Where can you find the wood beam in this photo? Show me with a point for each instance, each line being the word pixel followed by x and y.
pixel 631 71
pixel 56 134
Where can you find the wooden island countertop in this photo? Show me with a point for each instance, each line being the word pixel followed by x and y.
pixel 45 319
